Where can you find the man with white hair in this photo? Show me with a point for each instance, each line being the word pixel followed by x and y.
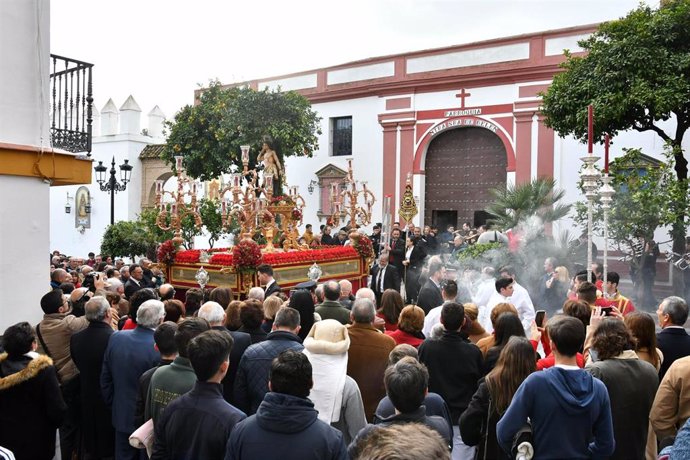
pixel 366 293
pixel 116 286
pixel 215 315
pixel 346 297
pixel 128 355
pixel 88 348
pixel 368 354
pixel 256 293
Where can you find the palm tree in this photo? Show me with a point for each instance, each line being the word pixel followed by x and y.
pixel 516 203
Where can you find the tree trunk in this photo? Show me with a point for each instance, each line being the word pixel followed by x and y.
pixel 679 227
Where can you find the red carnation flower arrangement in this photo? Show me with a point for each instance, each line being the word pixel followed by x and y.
pixel 246 256
pixel 166 252
pixel 364 247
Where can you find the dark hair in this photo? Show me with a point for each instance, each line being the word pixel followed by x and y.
pixel 113 297
pixel 597 268
pixel 406 383
pixel 251 314
pixel 452 316
pixel 581 276
pixel 507 269
pixel 192 300
pixel 567 334
pixel 222 295
pixel 302 301
pixel 18 339
pixel 287 317
pixel 207 351
pixel 331 290
pixel 516 361
pixel 503 283
pixel 611 338
pixel 174 310
pixel 164 337
pixel 138 298
pixel 291 374
pixel 67 288
pixel 232 315
pixel 588 292
pixel 186 331
pixel 265 269
pixel 391 305
pixel 578 309
pixel 109 272
pixel 507 326
pixel 643 329
pixel 613 277
pixel 450 288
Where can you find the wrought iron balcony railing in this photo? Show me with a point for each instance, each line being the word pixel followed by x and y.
pixel 71 105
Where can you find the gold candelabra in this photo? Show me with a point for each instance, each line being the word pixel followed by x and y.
pixel 250 203
pixel 170 214
pixel 346 197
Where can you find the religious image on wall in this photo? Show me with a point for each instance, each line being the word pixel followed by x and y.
pixel 82 203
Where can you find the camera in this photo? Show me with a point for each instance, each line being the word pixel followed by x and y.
pixel 90 281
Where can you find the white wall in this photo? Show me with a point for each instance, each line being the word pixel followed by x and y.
pixel 367 145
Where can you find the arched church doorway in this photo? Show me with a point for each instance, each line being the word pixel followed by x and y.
pixel 461 166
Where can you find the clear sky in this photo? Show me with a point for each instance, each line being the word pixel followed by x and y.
pixel 161 50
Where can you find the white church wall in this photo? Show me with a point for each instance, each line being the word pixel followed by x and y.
pixel 367 141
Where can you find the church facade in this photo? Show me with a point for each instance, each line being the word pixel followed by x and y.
pixel 456 121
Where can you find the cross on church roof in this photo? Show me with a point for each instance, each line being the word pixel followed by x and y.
pixel 462 95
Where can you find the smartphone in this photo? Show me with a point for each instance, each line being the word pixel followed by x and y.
pixel 539 319
pixel 606 310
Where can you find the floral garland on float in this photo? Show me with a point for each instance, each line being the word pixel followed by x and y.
pixel 221 256
pixel 166 253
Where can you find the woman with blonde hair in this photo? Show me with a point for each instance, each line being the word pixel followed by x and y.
pixel 410 326
pixel 271 306
pixel 643 329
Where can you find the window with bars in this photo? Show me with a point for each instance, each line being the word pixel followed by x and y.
pixel 341 136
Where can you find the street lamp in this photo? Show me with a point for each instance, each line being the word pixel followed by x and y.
pixel 112 185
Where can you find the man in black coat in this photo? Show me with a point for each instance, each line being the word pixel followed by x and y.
pixel 673 340
pixel 266 278
pixel 384 276
pixel 88 348
pixel 215 315
pixel 135 281
pixel 396 251
pixel 430 294
pixel 198 424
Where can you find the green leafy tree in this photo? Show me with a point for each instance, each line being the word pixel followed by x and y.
pixel 516 204
pixel 209 134
pixel 635 74
pixel 126 239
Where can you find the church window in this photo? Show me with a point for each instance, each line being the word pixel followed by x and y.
pixel 341 136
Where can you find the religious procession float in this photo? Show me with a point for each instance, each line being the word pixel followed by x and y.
pixel 268 233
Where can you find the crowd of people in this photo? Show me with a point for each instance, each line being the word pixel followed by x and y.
pixel 424 365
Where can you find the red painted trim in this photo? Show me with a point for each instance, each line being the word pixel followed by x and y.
pixel 390 137
pixel 399 103
pixel 506 123
pixel 486 110
pixel 406 158
pixel 422 128
pixel 545 142
pixel 528 106
pixel 532 90
pixel 420 153
pixel 537 67
pixel 394 117
pixel 523 147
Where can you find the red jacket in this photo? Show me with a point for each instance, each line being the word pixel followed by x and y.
pixel 401 337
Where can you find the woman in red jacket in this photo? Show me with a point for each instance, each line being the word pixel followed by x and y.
pixel 410 327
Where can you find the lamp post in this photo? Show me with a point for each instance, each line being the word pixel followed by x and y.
pixel 112 185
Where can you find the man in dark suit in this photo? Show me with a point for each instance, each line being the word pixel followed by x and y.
pixel 266 278
pixel 376 240
pixel 128 355
pixel 215 315
pixel 673 340
pixel 396 252
pixel 135 281
pixel 384 276
pixel 87 348
pixel 430 294
pixel 326 238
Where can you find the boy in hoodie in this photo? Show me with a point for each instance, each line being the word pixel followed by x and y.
pixel 569 410
pixel 286 427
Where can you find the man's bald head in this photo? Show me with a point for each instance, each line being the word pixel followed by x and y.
pixel 60 276
pixel 166 291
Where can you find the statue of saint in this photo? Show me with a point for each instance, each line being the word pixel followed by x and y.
pixel 272 166
pixel 214 189
pixel 82 206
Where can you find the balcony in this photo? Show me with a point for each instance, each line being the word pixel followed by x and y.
pixel 71 104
